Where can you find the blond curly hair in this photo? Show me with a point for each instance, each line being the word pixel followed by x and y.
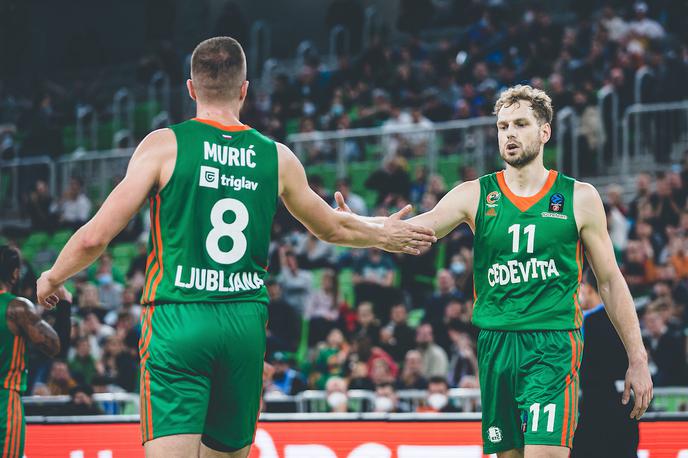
pixel 539 101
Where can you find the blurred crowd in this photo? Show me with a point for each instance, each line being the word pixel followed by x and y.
pixel 418 81
pixel 342 319
pixel 364 319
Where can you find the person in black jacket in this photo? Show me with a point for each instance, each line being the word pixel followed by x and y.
pixel 605 428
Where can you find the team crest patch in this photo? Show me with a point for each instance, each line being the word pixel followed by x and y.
pixel 492 198
pixel 491 212
pixel 494 434
pixel 556 203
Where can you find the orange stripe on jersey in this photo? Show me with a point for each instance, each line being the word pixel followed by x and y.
pixel 20 363
pixel 8 429
pixel 579 262
pixel 159 253
pixel 524 203
pixel 17 425
pixel 142 385
pixel 148 406
pixel 10 372
pixel 146 420
pixel 565 425
pixel 153 254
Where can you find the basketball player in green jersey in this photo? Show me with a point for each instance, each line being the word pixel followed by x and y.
pixel 531 225
pixel 213 185
pixel 21 322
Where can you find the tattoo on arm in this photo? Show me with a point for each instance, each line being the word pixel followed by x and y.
pixel 23 315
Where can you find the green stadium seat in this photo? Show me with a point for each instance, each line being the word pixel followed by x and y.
pixel 37 239
pixel 346 286
pixel 415 317
pixel 124 250
pixel 59 239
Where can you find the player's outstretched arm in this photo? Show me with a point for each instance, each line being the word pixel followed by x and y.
pixel 391 234
pixel 89 242
pixel 592 224
pixel 458 206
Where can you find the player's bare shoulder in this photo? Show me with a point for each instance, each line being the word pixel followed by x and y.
pixel 158 150
pixel 587 204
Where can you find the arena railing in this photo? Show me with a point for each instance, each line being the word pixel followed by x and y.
pixel 667 402
pixel 653 135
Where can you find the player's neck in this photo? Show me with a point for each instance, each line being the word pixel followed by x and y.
pixel 228 116
pixel 526 181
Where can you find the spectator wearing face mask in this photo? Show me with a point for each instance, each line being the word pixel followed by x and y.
pixel 386 399
pixel 337 398
pixel 438 399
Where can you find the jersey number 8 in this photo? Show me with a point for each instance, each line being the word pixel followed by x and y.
pixel 234 230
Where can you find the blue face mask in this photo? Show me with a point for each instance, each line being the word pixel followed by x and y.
pixel 104 279
pixel 457 268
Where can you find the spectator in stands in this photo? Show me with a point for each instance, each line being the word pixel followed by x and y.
pixel 392 180
pixel 353 200
pixel 96 332
pixel 283 322
pixel 81 402
pixel 367 325
pixel 83 365
pixel 89 300
pixel 285 379
pixel 667 349
pixel 678 256
pixel 373 278
pixel 381 372
pixel 438 399
pixel 117 364
pixel 337 397
pixel 638 269
pixel 363 351
pixel 128 305
pixel 313 253
pixel 397 337
pixel 75 207
pixel 40 208
pixel 411 377
pixel 330 360
pixel 666 209
pixel 102 384
pixel 386 399
pixel 109 289
pixel 463 359
pixel 322 309
pixel 643 191
pixel 446 292
pixel 296 283
pixel 60 380
pixel 435 361
pixel 644 27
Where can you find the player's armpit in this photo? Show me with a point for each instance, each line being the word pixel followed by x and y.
pixel 458 206
pixel 22 313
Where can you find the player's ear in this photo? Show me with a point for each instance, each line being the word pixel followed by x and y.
pixel 192 91
pixel 244 90
pixel 545 132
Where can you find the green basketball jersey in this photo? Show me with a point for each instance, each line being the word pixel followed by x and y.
pixel 211 223
pixel 12 351
pixel 528 257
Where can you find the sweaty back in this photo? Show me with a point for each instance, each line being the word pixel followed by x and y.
pixel 211 223
pixel 13 369
pixel 528 257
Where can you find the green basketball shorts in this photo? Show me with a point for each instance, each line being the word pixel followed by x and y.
pixel 529 387
pixel 202 371
pixel 12 426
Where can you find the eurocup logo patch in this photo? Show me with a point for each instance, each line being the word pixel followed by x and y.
pixel 210 177
pixel 492 198
pixel 556 203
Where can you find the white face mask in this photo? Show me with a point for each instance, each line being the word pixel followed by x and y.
pixel 336 399
pixel 383 404
pixel 437 401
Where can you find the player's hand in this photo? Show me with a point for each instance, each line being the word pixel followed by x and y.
pixel 47 291
pixel 63 294
pixel 404 237
pixel 341 204
pixel 638 379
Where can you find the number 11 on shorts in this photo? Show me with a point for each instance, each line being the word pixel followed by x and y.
pixel 550 410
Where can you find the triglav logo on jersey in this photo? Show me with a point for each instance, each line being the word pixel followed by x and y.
pixel 494 434
pixel 209 177
pixel 556 203
pixel 492 198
